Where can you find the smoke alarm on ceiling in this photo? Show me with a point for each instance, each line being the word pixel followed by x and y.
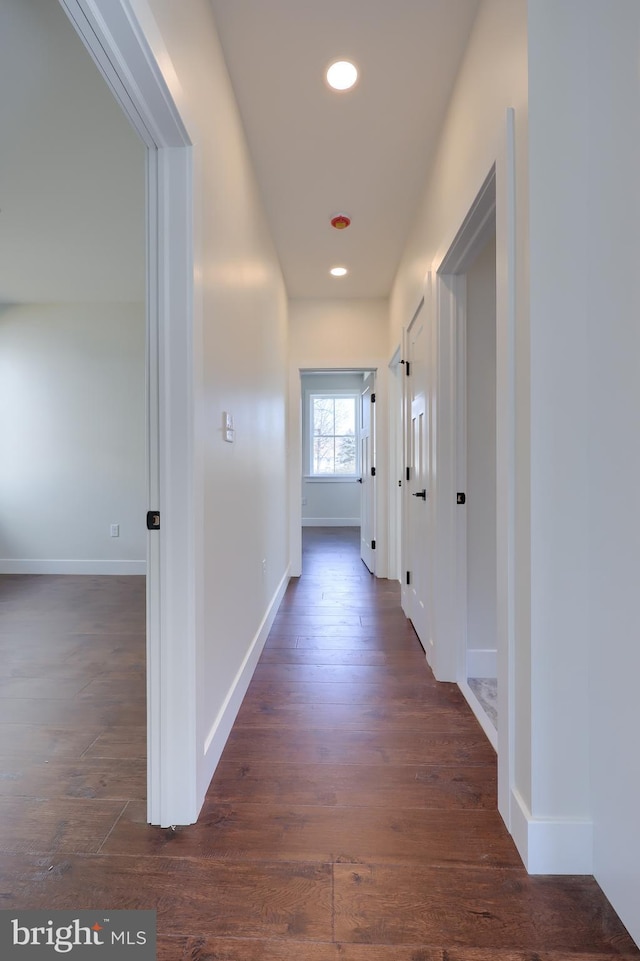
pixel 340 221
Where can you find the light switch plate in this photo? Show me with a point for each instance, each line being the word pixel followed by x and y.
pixel 228 432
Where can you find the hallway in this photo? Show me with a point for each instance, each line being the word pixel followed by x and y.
pixel 352 817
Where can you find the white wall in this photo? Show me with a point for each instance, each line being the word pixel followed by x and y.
pixel 612 287
pixel 493 77
pixel 570 72
pixel 332 503
pixel 241 318
pixel 334 334
pixel 559 228
pixel 72 183
pixel 481 463
pixel 72 438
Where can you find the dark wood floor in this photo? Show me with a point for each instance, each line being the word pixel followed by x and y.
pixel 352 817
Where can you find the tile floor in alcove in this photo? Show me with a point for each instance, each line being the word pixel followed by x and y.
pixel 486 690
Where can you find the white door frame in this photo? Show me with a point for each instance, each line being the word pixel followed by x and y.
pixel 396 471
pixel 369 386
pixel 127 52
pixel 294 444
pixel 494 203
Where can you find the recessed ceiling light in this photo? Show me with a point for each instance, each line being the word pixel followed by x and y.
pixel 342 75
pixel 338 271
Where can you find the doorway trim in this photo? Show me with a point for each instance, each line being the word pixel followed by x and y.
pixel 493 203
pixel 395 478
pixel 294 445
pixel 127 52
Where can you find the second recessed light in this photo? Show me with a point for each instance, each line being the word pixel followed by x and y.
pixel 338 271
pixel 342 75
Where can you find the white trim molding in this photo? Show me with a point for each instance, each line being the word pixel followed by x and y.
pixel 331 522
pixel 551 845
pixel 36 566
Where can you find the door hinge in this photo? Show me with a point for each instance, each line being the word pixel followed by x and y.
pixel 408 473
pixel 153 520
pixel 373 545
pixel 461 498
pixel 373 398
pixel 408 577
pixel 373 472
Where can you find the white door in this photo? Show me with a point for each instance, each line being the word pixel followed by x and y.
pixel 367 472
pixel 417 504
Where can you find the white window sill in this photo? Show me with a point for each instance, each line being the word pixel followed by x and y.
pixel 315 479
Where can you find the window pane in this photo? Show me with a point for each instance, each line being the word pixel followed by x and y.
pixel 345 416
pixel 323 415
pixel 323 455
pixel 334 423
pixel 345 457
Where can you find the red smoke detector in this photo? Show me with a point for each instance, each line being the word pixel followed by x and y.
pixel 340 221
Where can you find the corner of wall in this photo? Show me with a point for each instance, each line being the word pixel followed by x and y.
pixel 548 845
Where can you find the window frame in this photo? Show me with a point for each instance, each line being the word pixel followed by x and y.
pixel 310 394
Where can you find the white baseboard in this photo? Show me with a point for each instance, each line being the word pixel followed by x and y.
pixel 221 727
pixel 331 522
pixel 551 846
pixel 11 566
pixel 482 663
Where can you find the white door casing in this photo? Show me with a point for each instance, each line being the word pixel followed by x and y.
pixel 493 207
pixel 367 468
pixel 121 48
pixel 417 503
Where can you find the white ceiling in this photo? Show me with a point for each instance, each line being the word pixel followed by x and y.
pixel 366 151
pixel 72 170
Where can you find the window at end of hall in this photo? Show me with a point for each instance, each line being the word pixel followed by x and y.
pixel 334 434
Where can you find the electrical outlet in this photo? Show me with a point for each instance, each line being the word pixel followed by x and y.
pixel 264 566
pixel 114 530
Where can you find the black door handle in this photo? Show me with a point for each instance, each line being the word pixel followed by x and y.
pixel 422 494
pixel 359 480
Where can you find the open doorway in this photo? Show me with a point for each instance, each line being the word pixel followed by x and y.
pixel 338 470
pixel 477 479
pixel 73 462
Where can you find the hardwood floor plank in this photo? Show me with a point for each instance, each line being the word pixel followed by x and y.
pixel 123 690
pixel 357 639
pixel 172 948
pixel 261 832
pixel 21 710
pixel 358 747
pixel 391 693
pixel 232 949
pixel 297 655
pixel 118 742
pixel 35 826
pixel 335 718
pixel 51 778
pixel 357 674
pixel 41 739
pixel 395 786
pixel 193 898
pixel 475 907
pixel 45 687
